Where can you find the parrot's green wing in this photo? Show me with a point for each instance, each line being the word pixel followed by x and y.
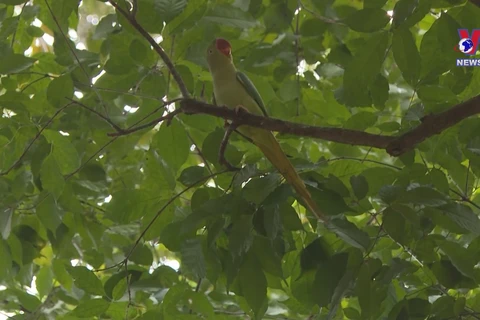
pixel 251 90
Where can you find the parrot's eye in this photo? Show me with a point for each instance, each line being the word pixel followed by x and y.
pixel 210 51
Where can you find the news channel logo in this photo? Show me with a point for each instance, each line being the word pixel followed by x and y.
pixel 468 45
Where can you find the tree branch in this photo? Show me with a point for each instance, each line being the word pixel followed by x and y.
pixel 395 145
pixel 433 124
pixel 156 47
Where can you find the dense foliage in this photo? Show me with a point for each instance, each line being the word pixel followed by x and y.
pixel 149 225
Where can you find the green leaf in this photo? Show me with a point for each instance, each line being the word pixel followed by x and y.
pixel 142 255
pixel 362 71
pixel 171 143
pixel 406 55
pixel 49 213
pixel 424 196
pixel 63 151
pixel 316 253
pixel 61 274
pixel 277 17
pixel 436 93
pixel 463 216
pixel 91 308
pixel 360 186
pixel 241 236
pixel 349 233
pixel 439 38
pixel 407 13
pixel 44 281
pixel 230 16
pixel 51 177
pixel 59 90
pixel 192 13
pixel 15 63
pixel 368 20
pixel 330 202
pixel 6 222
pixel 459 257
pixel 192 175
pixel 327 278
pixel 120 289
pixel 267 256
pixel 86 280
pixel 253 285
pixel 192 257
pixel 258 189
pixel 5 262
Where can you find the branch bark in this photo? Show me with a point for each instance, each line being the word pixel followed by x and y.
pixel 395 145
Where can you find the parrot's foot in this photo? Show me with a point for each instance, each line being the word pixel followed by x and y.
pixel 240 109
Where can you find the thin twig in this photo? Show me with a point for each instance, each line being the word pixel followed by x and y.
pixel 156 47
pixel 320 17
pixel 152 123
pixel 110 122
pixel 34 81
pixel 35 139
pixel 166 205
pixel 223 147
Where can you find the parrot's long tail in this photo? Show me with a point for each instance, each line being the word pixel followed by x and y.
pixel 274 153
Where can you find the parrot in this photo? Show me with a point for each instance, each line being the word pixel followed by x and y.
pixel 233 89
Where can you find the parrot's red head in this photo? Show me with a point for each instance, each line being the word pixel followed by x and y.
pixel 223 46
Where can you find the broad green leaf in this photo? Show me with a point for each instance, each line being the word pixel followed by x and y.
pixel 327 278
pixel 6 222
pixel 142 255
pixel 360 186
pixel 91 308
pixel 406 55
pixel 459 257
pixel 192 13
pixel 258 189
pixel 61 274
pixel 15 63
pixel 60 90
pixel 51 177
pixel 86 280
pixel 363 70
pixel 463 216
pixel 349 233
pixel 192 175
pixel 120 289
pixel 368 20
pixel 172 145
pixel 63 151
pixel 192 256
pixel 253 284
pixel 6 261
pixel 49 213
pixel 230 16
pixel 44 281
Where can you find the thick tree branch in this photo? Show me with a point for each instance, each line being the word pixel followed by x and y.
pixel 190 106
pixel 434 124
pixel 395 146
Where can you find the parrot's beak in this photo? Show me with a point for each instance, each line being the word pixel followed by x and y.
pixel 223 46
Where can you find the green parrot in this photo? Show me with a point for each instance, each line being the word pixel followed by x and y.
pixel 235 90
